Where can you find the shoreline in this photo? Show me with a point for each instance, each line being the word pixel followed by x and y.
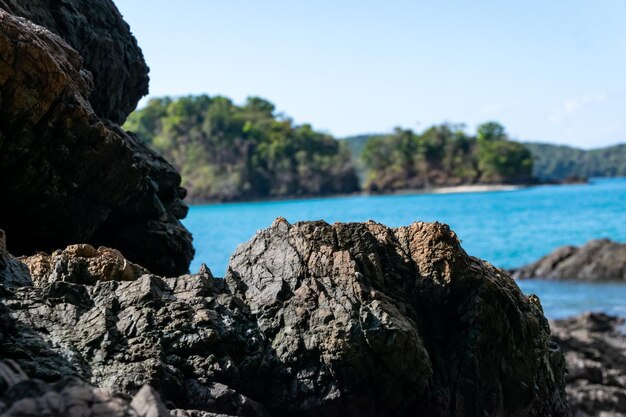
pixel 455 189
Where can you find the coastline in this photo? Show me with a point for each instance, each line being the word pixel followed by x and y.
pixel 462 189
pixel 456 189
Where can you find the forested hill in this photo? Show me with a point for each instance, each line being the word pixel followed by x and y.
pixel 442 155
pixel 557 162
pixel 230 152
pixel 227 152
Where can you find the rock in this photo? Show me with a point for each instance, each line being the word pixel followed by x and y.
pixel 98 32
pixel 184 336
pixel 312 319
pixel 598 260
pixel 595 352
pixel 82 264
pixel 371 321
pixel 13 273
pixel 69 177
pixel 69 397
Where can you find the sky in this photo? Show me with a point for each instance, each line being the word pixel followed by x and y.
pixel 549 71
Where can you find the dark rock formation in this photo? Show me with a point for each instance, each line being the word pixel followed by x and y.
pixel 595 352
pixel 312 319
pixel 66 176
pixel 97 31
pixel 378 321
pixel 69 397
pixel 598 260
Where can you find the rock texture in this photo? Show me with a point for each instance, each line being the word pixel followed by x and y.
pixel 595 351
pixel 97 31
pixel 598 260
pixel 66 175
pixel 69 397
pixel 312 319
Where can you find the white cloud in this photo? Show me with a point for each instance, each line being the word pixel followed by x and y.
pixel 574 105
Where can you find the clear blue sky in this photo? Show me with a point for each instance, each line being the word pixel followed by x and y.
pixel 552 71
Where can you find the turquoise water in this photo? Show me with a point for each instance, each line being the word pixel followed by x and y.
pixel 507 228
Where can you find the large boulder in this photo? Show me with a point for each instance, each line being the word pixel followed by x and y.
pixel 98 32
pixel 370 321
pixel 598 260
pixel 67 176
pixel 312 319
pixel 595 351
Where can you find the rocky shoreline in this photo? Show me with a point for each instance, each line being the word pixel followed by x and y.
pixel 312 319
pixel 598 260
pixel 595 352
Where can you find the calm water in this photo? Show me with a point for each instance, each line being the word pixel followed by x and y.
pixel 507 228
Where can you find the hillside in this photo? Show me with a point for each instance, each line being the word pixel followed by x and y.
pixel 227 152
pixel 558 162
pixel 442 155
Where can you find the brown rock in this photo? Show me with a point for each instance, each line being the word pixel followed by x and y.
pixel 69 176
pixel 598 260
pixel 98 32
pixel 376 321
pixel 312 319
pixel 82 264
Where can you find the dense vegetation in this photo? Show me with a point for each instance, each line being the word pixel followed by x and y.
pixel 554 162
pixel 228 152
pixel 444 155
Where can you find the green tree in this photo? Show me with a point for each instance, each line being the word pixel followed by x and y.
pixel 229 152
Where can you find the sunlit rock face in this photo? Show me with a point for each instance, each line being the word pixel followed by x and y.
pixel 97 31
pixel 67 173
pixel 371 320
pixel 312 319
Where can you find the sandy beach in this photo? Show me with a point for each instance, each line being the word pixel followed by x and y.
pixel 472 189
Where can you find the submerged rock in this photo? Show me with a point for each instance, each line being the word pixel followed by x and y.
pixel 595 351
pixel 312 319
pixel 67 176
pixel 598 260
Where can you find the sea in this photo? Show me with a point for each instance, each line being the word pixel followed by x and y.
pixel 507 228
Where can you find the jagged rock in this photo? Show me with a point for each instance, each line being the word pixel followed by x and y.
pixel 13 273
pixel 598 260
pixel 84 316
pixel 82 264
pixel 595 352
pixel 373 321
pixel 69 177
pixel 69 397
pixel 312 319
pixel 98 32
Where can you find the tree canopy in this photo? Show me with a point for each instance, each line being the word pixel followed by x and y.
pixel 558 162
pixel 444 155
pixel 228 152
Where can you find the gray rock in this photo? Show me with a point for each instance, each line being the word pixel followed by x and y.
pixel 312 319
pixel 595 352
pixel 598 260
pixel 13 273
pixel 69 397
pixel 370 321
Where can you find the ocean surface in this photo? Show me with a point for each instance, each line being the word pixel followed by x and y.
pixel 507 228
